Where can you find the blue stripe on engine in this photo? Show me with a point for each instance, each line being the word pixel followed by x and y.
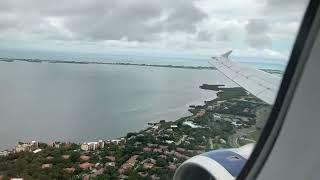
pixel 231 161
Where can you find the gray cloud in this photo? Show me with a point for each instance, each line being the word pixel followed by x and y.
pixel 256 33
pixel 135 20
pixel 224 34
pixel 204 36
pixel 289 10
pixel 286 4
pixel 220 35
pixel 191 25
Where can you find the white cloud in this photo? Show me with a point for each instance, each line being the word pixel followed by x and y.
pixel 251 27
pixel 262 53
pixel 284 29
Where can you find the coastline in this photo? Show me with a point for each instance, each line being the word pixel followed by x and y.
pixel 195 105
pixel 156 150
pixel 59 80
pixel 271 71
pixel 102 63
pixel 184 112
pixel 199 102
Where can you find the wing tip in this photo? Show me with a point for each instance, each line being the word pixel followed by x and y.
pixel 227 54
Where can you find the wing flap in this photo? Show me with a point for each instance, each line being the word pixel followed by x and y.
pixel 261 84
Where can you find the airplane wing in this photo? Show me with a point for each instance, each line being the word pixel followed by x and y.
pixel 261 84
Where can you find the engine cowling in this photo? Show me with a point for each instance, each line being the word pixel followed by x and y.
pixel 222 164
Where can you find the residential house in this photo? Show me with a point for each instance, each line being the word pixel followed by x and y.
pixel 111 158
pixel 128 165
pixel 65 157
pixel 147 165
pixel 46 166
pixel 86 165
pixel 70 170
pixel 84 158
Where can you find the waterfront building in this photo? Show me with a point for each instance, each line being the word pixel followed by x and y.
pixel 4 153
pixel 101 144
pixel 21 147
pixel 54 144
pixel 84 146
pixel 34 145
pixel 93 146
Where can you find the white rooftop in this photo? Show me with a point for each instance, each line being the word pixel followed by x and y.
pixel 190 124
pixel 37 150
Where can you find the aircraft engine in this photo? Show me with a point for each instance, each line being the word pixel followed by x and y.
pixel 222 164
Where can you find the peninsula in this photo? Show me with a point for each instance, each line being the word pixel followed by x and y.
pixel 233 119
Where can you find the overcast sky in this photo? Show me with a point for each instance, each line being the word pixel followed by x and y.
pixel 253 28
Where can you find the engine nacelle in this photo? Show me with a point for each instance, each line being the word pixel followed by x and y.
pixel 223 164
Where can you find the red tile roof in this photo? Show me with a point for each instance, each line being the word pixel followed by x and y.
pixel 128 165
pixel 70 170
pixel 65 157
pixel 86 165
pixel 84 158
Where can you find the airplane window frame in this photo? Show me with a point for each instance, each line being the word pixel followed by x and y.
pixel 298 58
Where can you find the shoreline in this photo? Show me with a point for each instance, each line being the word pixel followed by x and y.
pixel 271 71
pixel 186 113
pixel 163 145
pixel 201 102
pixel 104 63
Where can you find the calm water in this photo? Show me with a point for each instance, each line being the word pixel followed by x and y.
pixel 72 102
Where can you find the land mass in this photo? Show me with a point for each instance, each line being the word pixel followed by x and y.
pixel 107 63
pixel 154 153
pixel 271 71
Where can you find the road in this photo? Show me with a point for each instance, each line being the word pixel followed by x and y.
pixel 253 141
pixel 211 143
pixel 261 115
pixel 233 139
